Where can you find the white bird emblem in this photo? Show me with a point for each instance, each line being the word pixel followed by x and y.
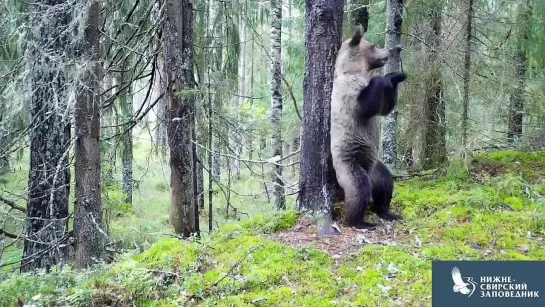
pixel 460 285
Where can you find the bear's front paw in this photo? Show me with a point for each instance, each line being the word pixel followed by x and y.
pixel 396 77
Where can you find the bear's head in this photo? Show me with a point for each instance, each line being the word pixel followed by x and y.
pixel 358 56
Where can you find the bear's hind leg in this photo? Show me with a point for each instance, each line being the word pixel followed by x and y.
pixel 383 188
pixel 357 192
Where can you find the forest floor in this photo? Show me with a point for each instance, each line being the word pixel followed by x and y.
pixel 493 210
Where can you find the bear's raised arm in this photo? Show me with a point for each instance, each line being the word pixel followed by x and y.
pixel 379 97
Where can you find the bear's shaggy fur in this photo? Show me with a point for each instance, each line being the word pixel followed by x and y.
pixel 356 100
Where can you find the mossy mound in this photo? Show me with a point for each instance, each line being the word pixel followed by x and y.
pixel 499 217
pixel 529 165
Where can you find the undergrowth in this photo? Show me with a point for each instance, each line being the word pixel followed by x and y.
pixel 495 211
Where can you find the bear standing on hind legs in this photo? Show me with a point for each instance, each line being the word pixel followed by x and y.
pixel 356 101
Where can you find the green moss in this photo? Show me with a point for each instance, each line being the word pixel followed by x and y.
pixel 498 216
pixel 169 252
pixel 262 223
pixel 515 156
pixel 529 165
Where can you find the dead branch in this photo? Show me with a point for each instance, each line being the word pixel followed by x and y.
pixel 8 234
pixel 12 204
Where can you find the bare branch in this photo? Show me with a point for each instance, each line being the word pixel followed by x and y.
pixel 12 204
pixel 8 234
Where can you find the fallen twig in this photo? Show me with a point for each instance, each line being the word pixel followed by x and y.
pixel 237 264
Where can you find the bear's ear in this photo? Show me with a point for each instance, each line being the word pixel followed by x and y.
pixel 356 39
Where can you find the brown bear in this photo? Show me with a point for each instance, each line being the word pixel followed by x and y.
pixel 356 100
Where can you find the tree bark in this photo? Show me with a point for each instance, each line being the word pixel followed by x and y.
pixel 360 13
pixel 434 111
pixel 294 147
pixel 161 130
pixel 178 35
pixel 215 34
pixel 322 43
pixel 276 101
pixel 4 165
pixel 88 227
pixel 516 105
pixel 467 68
pixel 127 155
pixel 125 102
pixel 49 174
pixel 241 87
pixel 394 9
pixel 250 131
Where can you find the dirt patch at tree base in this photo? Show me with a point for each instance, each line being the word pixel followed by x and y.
pixel 304 234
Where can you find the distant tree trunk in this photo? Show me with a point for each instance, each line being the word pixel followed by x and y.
pixel 215 32
pixel 162 121
pixel 109 120
pixel 276 97
pixel 467 68
pixel 295 147
pixel 394 9
pixel 360 13
pixel 200 185
pixel 415 124
pixel 49 175
pixel 4 157
pixel 323 40
pixel 210 160
pixel 127 157
pixel 241 87
pixel 178 35
pixel 88 227
pixel 434 111
pixel 194 175
pixel 4 165
pixel 516 106
pixel 250 137
pixel 126 103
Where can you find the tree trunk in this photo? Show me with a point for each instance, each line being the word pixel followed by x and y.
pixel 49 174
pixel 161 129
pixel 322 40
pixel 178 34
pixel 88 227
pixel 109 120
pixel 210 160
pixel 241 87
pixel 4 156
pixel 276 97
pixel 394 9
pixel 360 13
pixel 200 185
pixel 4 164
pixel 194 174
pixel 127 156
pixel 250 131
pixel 215 35
pixel 434 111
pixel 295 147
pixel 467 68
pixel 516 106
